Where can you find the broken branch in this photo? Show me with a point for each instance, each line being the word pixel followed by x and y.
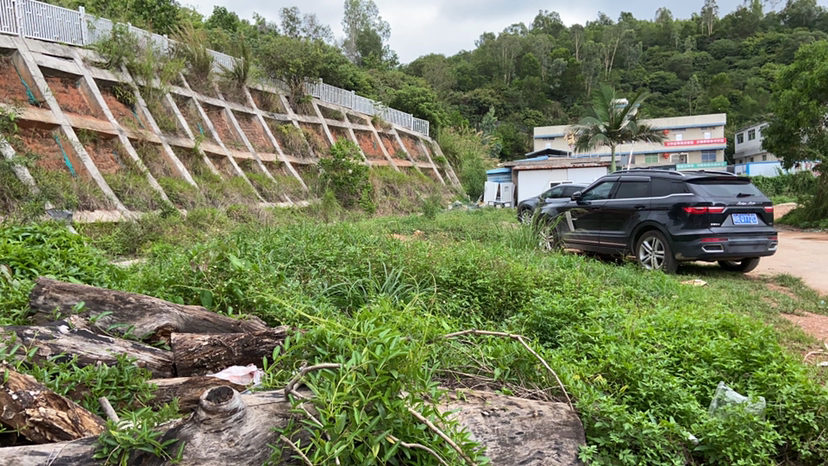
pixel 520 339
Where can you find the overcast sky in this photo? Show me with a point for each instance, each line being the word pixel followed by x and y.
pixel 420 27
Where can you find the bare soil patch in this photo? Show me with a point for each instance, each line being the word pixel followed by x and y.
pixel 414 148
pixel 227 134
pixel 126 115
pixel 339 133
pixel 813 324
pixel 42 145
pixel 70 98
pixel 369 144
pixel 12 90
pixel 392 147
pixel 802 254
pixel 255 133
pixel 191 115
pixel 106 153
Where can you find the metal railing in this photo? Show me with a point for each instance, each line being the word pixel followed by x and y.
pixel 38 20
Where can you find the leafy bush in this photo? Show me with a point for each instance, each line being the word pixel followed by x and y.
pixel 468 154
pixel 347 177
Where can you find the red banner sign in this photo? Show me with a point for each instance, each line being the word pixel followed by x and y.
pixel 695 142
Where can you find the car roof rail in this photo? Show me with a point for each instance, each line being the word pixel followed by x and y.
pixel 650 169
pixel 718 172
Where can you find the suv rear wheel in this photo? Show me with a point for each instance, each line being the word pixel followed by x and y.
pixel 744 265
pixel 653 252
pixel 525 216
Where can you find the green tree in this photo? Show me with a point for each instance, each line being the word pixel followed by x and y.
pixel 797 129
pixel 363 27
pixel 610 124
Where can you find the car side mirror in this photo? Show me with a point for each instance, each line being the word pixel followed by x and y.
pixel 576 196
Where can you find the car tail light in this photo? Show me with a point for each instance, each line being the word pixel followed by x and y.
pixel 773 238
pixel 769 209
pixel 704 210
pixel 714 240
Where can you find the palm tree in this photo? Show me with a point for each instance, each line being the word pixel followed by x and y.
pixel 611 123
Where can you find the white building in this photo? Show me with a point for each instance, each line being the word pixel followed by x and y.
pixel 748 147
pixel 534 176
pixel 692 143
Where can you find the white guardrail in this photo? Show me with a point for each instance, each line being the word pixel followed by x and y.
pixel 38 20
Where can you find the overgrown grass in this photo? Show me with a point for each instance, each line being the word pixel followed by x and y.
pixel 640 353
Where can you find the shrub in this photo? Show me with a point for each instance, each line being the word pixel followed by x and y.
pixel 347 177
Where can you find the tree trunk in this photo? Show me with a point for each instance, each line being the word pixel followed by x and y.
pixel 612 160
pixel 90 348
pixel 41 415
pixel 187 389
pixel 151 319
pixel 227 428
pixel 196 354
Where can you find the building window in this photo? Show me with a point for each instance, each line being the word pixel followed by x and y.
pixel 764 157
pixel 740 138
pixel 708 156
pixel 679 137
pixel 751 160
pixel 651 158
pixel 708 135
pixel 751 134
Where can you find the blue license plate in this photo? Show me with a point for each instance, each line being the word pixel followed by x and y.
pixel 745 219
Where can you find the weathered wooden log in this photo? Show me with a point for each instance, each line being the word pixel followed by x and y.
pixel 89 347
pixel 187 389
pixel 150 318
pixel 227 428
pixel 200 354
pixel 41 415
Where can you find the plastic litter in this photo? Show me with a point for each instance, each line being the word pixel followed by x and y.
pixel 726 396
pixel 241 375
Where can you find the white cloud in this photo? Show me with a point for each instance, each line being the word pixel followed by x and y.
pixel 448 26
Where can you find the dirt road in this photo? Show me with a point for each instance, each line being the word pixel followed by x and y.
pixel 801 254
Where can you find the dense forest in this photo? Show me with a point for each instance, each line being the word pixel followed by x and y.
pixel 527 75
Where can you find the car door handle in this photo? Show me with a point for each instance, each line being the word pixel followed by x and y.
pixel 640 207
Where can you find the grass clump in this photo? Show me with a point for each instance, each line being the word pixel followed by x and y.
pixel 465 149
pixel 292 140
pixel 345 175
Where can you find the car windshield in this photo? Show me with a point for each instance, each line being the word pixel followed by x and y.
pixel 727 188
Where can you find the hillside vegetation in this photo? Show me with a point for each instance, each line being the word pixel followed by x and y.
pixel 539 72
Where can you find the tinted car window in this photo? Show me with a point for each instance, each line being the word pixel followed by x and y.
pixel 602 191
pixel 663 187
pixel 544 194
pixel 555 192
pixel 632 189
pixel 570 190
pixel 727 188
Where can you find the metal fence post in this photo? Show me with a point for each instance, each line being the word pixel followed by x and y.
pixel 18 16
pixel 84 32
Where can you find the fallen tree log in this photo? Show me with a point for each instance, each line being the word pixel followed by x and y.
pixel 41 415
pixel 90 348
pixel 200 354
pixel 150 318
pixel 228 428
pixel 187 389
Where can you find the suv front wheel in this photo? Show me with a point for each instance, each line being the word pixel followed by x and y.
pixel 654 253
pixel 744 265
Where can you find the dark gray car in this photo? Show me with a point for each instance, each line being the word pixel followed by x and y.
pixel 527 207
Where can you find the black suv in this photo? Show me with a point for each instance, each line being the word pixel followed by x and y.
pixel 665 217
pixel 527 207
